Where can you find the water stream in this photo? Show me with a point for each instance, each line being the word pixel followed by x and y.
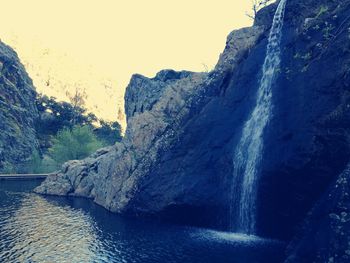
pixel 249 150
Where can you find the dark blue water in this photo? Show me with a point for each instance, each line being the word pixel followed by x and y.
pixel 52 229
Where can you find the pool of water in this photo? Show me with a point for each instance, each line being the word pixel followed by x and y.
pixel 41 229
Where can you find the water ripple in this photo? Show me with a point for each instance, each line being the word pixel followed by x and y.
pixel 36 229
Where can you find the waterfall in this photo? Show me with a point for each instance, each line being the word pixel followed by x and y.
pixel 248 152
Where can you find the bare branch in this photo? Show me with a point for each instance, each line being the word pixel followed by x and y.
pixel 256 6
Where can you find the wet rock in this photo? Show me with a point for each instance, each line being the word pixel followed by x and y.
pixel 325 235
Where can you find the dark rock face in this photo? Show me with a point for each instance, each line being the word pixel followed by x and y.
pixel 176 157
pixel 17 112
pixel 324 236
pixel 307 142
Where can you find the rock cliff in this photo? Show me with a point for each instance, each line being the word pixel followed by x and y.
pixel 17 112
pixel 175 160
pixel 159 111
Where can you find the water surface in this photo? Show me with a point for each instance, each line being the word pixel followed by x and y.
pixel 41 229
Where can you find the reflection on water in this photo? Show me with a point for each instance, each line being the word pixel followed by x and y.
pixel 70 234
pixel 41 229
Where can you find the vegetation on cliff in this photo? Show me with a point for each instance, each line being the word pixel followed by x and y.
pixel 66 131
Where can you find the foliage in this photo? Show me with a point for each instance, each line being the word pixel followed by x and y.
pixel 56 116
pixel 66 131
pixel 34 164
pixel 48 165
pixel 73 144
pixel 77 101
pixel 323 9
pixel 38 165
pixel 108 132
pixel 8 168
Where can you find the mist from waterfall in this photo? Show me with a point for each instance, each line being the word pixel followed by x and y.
pixel 249 149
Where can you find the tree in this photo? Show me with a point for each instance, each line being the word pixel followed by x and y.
pixel 73 144
pixel 34 164
pixel 56 116
pixel 109 132
pixel 38 164
pixel 256 6
pixel 77 100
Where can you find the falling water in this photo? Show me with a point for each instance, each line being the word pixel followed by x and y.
pixel 249 149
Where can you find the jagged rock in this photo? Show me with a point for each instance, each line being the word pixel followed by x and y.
pixel 157 112
pixel 143 92
pixel 236 45
pixel 17 112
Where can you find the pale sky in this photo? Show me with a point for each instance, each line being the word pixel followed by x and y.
pixel 99 44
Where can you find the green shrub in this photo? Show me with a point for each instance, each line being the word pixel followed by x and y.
pixel 323 9
pixel 73 144
pixel 38 165
pixel 69 144
pixel 55 116
pixel 48 165
pixel 8 168
pixel 34 164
